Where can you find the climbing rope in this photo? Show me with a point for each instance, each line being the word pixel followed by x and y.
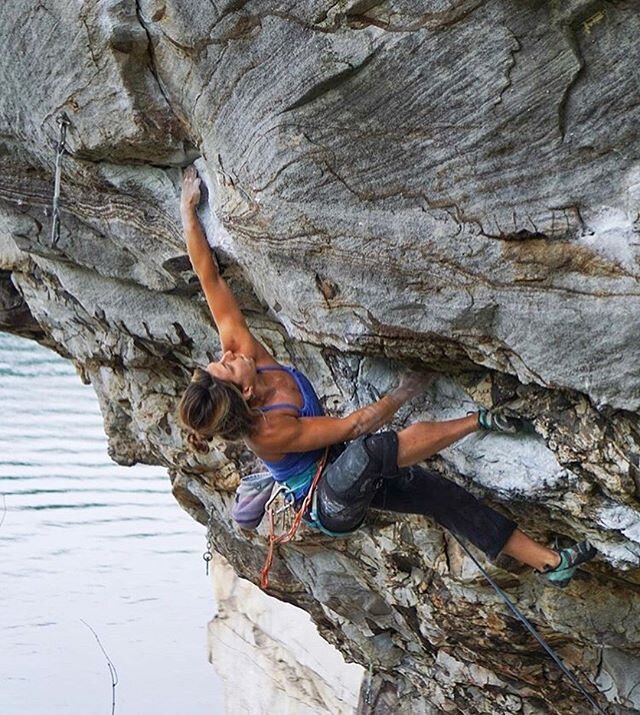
pixel 63 122
pixel 288 535
pixel 527 624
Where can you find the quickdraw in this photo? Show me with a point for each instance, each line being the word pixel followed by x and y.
pixel 208 554
pixel 63 123
pixel 287 535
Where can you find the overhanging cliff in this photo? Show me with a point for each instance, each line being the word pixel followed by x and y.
pixel 454 186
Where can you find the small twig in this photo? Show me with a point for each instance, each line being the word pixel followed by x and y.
pixel 112 669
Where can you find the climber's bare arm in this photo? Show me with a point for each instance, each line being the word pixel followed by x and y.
pixel 284 433
pixel 232 327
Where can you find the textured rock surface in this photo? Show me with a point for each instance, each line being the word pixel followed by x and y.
pixel 271 659
pixel 449 185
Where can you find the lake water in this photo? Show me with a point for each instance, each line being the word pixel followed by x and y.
pixel 83 539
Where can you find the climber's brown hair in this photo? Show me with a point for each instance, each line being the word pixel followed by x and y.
pixel 210 407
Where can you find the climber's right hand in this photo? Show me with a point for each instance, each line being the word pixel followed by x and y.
pixel 190 189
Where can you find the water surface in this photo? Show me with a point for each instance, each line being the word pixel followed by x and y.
pixel 83 539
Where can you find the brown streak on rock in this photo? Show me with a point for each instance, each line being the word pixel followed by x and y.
pixel 539 259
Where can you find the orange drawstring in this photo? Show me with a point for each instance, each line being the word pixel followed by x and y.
pixel 288 535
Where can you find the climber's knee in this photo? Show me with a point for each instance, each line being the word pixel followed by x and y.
pixel 383 450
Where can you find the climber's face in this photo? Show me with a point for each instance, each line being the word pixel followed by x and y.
pixel 235 368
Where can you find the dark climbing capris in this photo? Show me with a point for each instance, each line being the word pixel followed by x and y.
pixel 365 474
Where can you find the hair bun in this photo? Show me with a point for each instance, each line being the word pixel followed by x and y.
pixel 198 442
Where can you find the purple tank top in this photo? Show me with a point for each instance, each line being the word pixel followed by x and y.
pixel 295 467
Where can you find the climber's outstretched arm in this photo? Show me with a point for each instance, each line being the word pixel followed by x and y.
pixel 232 327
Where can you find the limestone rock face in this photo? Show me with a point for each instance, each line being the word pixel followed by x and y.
pixel 453 186
pixel 271 659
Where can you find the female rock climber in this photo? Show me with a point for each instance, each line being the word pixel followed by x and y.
pixel 248 395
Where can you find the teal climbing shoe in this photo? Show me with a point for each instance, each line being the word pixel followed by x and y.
pixel 570 559
pixel 494 422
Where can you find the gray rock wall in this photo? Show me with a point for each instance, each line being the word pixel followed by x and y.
pixel 453 186
pixel 270 657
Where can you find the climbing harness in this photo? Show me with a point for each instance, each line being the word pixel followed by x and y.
pixel 527 624
pixel 63 122
pixel 208 554
pixel 290 533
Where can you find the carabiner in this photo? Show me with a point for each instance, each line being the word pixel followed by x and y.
pixel 276 493
pixel 289 500
pixel 287 496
